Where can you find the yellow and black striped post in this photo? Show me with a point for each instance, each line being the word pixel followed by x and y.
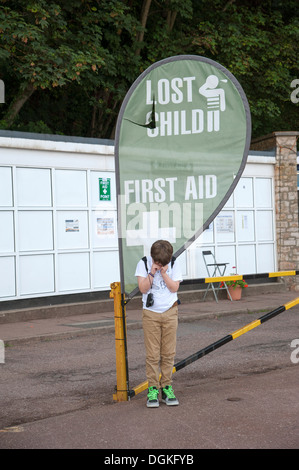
pixel 232 277
pixel 235 334
pixel 122 377
pixel 221 342
pixel 238 277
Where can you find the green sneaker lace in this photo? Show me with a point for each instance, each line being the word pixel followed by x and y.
pixel 168 390
pixel 153 393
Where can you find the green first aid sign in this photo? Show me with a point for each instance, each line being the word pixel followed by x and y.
pixel 104 189
pixel 182 141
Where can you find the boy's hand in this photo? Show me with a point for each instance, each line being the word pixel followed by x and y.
pixel 172 285
pixel 163 269
pixel 155 267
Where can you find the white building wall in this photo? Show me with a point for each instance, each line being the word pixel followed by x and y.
pixel 243 234
pixel 58 232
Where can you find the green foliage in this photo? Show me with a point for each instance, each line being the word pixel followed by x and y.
pixel 38 127
pixel 69 65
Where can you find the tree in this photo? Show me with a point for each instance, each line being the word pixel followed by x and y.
pixel 52 44
pixel 81 57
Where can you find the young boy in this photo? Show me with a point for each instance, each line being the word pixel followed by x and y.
pixel 161 278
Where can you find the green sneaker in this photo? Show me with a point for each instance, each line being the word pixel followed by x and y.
pixel 168 396
pixel 152 397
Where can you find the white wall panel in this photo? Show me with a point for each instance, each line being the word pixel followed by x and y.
pixel 6 197
pixel 225 226
pixel 33 187
pixel 243 193
pixel 245 226
pixel 7 242
pixel 35 230
pixel 182 260
pixel 246 260
pixel 36 274
pixel 199 264
pixel 263 192
pixel 73 271
pixel 227 254
pixel 72 230
pixel 207 236
pixel 106 268
pixel 71 188
pixel 104 229
pixel 264 225
pixel 265 258
pixel 7 277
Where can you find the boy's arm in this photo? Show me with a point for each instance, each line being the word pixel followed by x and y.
pixel 173 286
pixel 144 284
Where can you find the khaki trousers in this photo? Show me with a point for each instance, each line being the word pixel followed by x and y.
pixel 160 332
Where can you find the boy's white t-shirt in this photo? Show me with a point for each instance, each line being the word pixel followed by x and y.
pixel 163 298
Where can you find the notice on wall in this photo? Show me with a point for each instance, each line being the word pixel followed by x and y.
pixel 244 223
pixel 104 189
pixel 106 226
pixel 72 225
pixel 225 223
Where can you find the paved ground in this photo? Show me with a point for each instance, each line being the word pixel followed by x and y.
pixel 83 325
pixel 57 382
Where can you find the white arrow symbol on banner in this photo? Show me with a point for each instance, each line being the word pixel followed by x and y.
pixel 150 232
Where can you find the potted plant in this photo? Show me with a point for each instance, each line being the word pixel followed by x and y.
pixel 235 287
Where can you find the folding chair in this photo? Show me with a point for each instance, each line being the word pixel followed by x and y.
pixel 214 269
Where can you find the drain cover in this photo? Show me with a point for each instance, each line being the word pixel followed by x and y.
pixel 234 399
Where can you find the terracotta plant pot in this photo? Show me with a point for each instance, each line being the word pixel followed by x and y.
pixel 235 292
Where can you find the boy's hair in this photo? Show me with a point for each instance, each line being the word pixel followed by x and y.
pixel 161 252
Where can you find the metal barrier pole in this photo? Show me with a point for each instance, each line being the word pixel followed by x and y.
pixel 120 343
pixel 221 342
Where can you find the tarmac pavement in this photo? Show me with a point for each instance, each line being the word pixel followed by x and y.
pixel 98 323
pixel 257 409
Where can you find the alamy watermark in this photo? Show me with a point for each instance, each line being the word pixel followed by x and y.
pixel 2 352
pixel 295 353
pixel 295 93
pixel 2 92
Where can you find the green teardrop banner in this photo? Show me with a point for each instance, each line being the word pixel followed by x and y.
pixel 182 141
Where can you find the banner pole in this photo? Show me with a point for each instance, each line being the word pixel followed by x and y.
pixel 120 343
